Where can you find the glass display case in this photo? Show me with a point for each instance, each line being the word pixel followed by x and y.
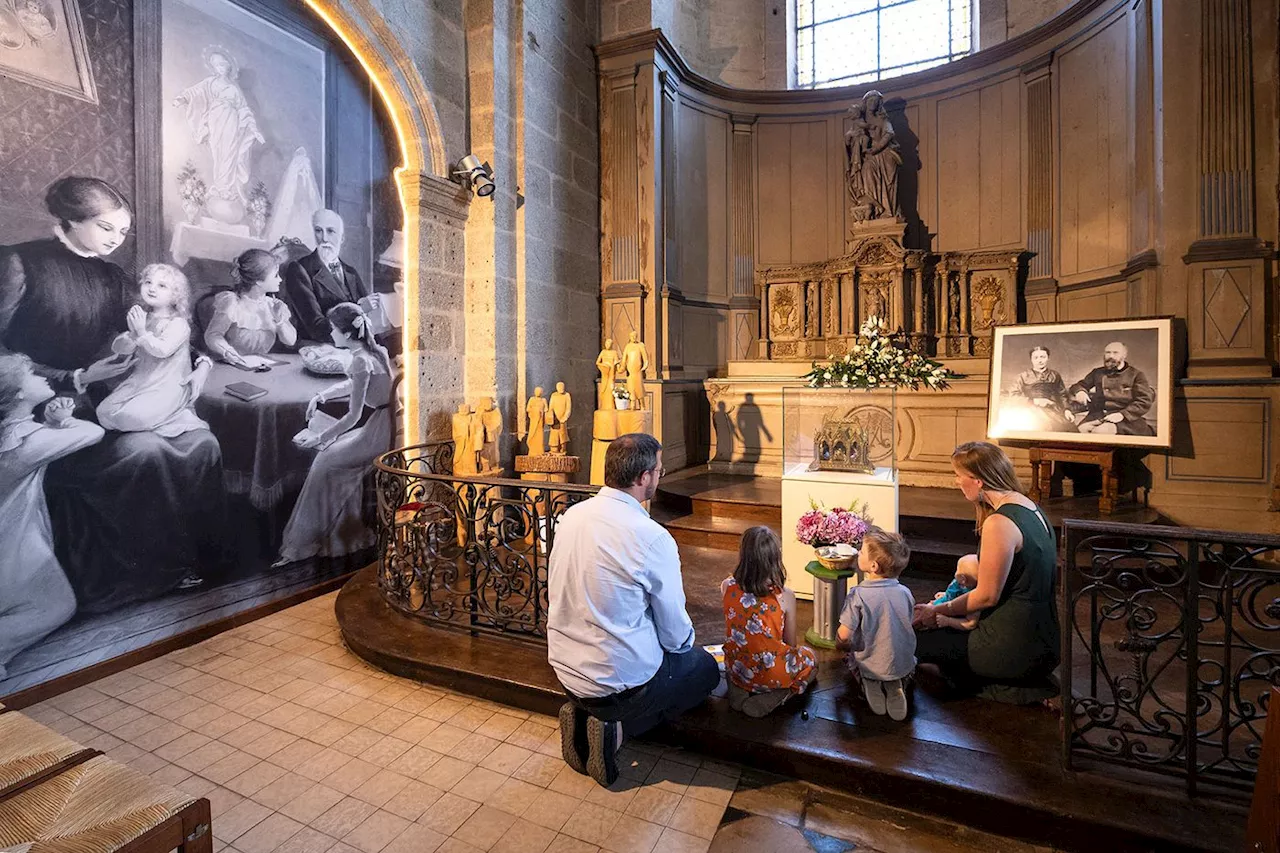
pixel 839 429
pixel 839 450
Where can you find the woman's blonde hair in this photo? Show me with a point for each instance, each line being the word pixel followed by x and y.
pixel 983 461
pixel 177 278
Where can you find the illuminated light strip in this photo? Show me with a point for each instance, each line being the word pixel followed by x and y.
pixel 408 214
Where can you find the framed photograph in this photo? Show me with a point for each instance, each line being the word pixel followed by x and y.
pixel 42 43
pixel 1106 382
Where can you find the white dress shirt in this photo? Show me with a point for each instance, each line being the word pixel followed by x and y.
pixel 616 597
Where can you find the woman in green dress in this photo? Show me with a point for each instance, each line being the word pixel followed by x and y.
pixel 1012 653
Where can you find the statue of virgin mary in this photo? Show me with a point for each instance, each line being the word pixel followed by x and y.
pixel 221 119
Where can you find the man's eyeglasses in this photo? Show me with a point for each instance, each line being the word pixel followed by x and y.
pixel 660 472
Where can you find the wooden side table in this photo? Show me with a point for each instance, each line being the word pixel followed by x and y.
pixel 830 586
pixel 1043 457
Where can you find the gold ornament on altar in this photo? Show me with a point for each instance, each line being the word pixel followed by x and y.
pixel 843 444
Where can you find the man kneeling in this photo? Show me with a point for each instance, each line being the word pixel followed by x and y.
pixel 618 636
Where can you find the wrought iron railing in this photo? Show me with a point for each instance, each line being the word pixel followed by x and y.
pixel 469 552
pixel 1171 643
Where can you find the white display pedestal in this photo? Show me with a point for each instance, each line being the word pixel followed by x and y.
pixel 831 489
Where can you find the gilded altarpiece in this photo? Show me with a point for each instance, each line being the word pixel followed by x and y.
pixel 942 304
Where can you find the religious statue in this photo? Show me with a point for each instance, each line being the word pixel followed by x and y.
pixel 464 457
pixel 221 119
pixel 475 445
pixel 491 419
pixel 874 158
pixel 635 358
pixel 607 364
pixel 561 406
pixel 536 410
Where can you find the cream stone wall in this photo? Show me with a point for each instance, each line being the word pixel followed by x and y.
pixel 507 285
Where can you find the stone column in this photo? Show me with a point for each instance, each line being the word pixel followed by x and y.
pixel 1228 272
pixel 744 304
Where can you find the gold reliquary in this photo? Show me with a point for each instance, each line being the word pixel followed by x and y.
pixel 842 444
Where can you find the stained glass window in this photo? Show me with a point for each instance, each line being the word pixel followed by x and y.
pixel 844 42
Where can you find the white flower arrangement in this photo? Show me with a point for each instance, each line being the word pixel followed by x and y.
pixel 877 362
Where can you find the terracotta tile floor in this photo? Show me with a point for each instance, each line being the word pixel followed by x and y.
pixel 303 748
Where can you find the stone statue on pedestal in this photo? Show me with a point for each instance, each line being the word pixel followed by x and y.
pixel 607 364
pixel 635 358
pixel 536 411
pixel 561 406
pixel 464 457
pixel 491 421
pixel 476 442
pixel 874 159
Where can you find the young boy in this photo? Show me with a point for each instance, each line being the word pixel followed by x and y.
pixel 875 624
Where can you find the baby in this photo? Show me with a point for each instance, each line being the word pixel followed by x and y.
pixel 875 624
pixel 966 579
pixel 159 394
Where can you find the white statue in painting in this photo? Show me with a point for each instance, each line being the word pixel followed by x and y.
pixel 221 118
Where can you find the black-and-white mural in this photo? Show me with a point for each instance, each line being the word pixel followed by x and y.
pixel 198 319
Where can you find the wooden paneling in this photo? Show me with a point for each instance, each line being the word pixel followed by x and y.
pixel 1093 163
pixel 706 338
pixel 1242 459
pixel 773 170
pixel 810 191
pixel 703 166
pixel 1104 302
pixel 979 176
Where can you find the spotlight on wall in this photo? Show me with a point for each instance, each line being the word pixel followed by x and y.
pixel 478 176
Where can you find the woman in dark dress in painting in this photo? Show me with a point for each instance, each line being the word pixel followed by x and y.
pixel 1043 389
pixel 133 515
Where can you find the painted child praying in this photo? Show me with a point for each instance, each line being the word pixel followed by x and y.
pixel 159 394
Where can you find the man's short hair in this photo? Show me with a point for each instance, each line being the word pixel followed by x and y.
pixel 1124 348
pixel 628 457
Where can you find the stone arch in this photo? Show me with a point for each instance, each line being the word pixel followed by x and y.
pixel 427 196
pixel 413 114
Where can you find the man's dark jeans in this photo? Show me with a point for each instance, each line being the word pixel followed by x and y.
pixel 681 683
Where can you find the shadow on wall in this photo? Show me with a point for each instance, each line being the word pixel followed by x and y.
pixel 751 427
pixel 917 236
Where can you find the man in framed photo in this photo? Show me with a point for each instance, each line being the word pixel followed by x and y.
pixel 1113 399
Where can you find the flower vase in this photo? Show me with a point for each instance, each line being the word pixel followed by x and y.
pixel 191 209
pixel 257 225
pixel 622 404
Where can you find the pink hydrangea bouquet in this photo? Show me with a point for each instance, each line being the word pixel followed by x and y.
pixel 838 526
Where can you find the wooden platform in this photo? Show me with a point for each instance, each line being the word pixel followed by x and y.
pixel 990 766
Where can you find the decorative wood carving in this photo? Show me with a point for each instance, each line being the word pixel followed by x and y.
pixel 742 172
pixel 988 295
pixel 1226 119
pixel 784 312
pixel 1040 176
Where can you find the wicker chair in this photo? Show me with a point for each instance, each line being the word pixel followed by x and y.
pixel 31 753
pixel 104 806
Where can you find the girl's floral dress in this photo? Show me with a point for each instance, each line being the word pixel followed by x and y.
pixel 755 656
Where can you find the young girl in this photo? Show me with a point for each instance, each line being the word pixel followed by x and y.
pixel 249 320
pixel 762 661
pixel 36 596
pixel 876 623
pixel 159 394
pixel 328 520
